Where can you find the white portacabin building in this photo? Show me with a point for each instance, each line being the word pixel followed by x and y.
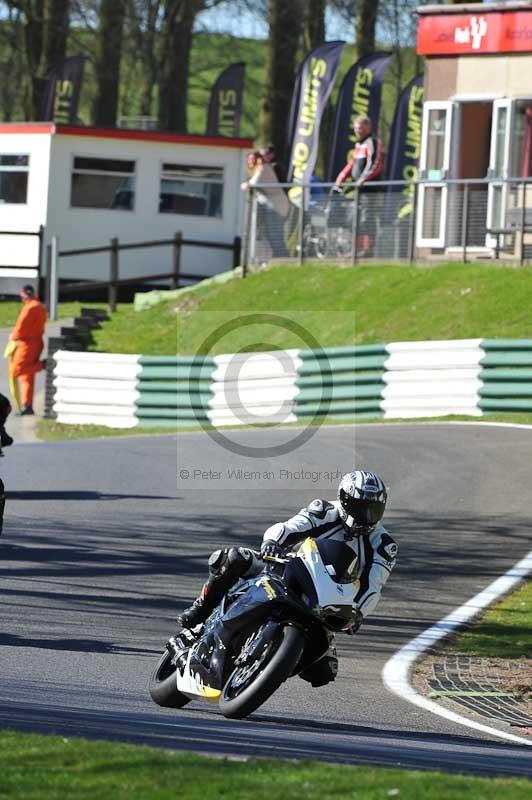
pixel 87 185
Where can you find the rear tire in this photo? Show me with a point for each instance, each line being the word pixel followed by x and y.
pixel 163 685
pixel 277 669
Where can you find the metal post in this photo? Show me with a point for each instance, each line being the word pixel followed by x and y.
pixel 48 278
pixel 113 275
pixel 237 251
pixel 465 222
pixel 248 221
pixel 412 227
pixel 176 259
pixel 300 237
pixel 41 279
pixel 523 225
pixel 354 230
pixel 54 277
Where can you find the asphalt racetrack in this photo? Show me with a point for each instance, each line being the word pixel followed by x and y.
pixel 105 540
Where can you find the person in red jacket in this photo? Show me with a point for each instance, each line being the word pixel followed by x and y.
pixel 28 336
pixel 364 166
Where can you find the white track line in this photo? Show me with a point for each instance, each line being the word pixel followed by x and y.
pixel 396 670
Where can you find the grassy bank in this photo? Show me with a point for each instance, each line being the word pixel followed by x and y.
pixel 50 431
pixel 10 309
pixel 337 306
pixel 50 768
pixel 505 631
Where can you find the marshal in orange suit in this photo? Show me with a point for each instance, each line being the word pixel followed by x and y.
pixel 28 334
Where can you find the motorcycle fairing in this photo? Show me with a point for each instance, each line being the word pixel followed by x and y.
pixel 308 584
pixel 191 680
pixel 329 591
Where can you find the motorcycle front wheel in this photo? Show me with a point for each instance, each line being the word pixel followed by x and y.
pixel 163 684
pixel 252 682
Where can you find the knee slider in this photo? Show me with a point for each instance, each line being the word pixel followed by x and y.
pixel 232 560
pixel 217 561
pixel 238 560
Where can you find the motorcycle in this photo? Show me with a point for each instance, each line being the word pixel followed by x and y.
pixel 266 630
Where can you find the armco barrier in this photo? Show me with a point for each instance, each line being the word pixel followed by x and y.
pixel 341 382
pixel 506 375
pixel 174 390
pixel 397 380
pixel 95 388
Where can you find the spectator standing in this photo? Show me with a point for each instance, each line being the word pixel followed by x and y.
pixel 269 155
pixel 273 204
pixel 364 166
pixel 27 337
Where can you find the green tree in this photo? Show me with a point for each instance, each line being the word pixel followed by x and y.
pixel 285 29
pixel 11 63
pixel 56 33
pixel 45 33
pixel 178 24
pixel 314 23
pixel 365 26
pixel 144 21
pixel 176 45
pixel 107 61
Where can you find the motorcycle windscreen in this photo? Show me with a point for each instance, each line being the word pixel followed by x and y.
pixel 318 555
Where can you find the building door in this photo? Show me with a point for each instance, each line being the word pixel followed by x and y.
pixel 434 169
pixel 499 167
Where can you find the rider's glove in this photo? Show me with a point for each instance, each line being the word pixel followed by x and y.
pixel 356 621
pixel 270 549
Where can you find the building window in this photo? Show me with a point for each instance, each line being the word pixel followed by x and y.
pixel 103 183
pixel 14 170
pixel 192 190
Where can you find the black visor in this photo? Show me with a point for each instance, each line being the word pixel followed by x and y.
pixel 366 513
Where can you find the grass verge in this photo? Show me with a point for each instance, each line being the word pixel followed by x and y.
pixel 504 631
pixel 10 309
pixel 55 768
pixel 50 431
pixel 336 305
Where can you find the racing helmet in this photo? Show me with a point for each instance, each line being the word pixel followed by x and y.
pixel 362 498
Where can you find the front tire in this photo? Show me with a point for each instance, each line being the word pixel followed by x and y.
pixel 241 697
pixel 163 685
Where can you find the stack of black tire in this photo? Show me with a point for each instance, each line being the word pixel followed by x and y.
pixel 75 337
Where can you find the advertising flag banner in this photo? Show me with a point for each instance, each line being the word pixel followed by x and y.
pixel 294 107
pixel 316 82
pixel 359 96
pixel 225 106
pixel 62 91
pixel 405 148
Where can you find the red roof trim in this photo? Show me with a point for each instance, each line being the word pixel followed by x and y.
pixel 123 133
pixel 151 136
pixel 27 127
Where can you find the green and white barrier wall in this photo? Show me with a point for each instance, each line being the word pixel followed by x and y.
pixel 397 380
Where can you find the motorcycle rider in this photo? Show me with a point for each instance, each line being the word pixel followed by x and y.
pixel 355 518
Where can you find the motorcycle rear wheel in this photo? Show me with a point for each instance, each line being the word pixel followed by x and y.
pixel 241 696
pixel 163 685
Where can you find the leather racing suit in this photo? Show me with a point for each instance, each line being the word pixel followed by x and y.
pixel 365 165
pixel 376 553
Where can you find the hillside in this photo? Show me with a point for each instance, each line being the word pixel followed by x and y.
pixel 211 53
pixel 336 306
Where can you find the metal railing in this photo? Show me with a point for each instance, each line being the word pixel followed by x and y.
pixel 393 221
pixel 53 287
